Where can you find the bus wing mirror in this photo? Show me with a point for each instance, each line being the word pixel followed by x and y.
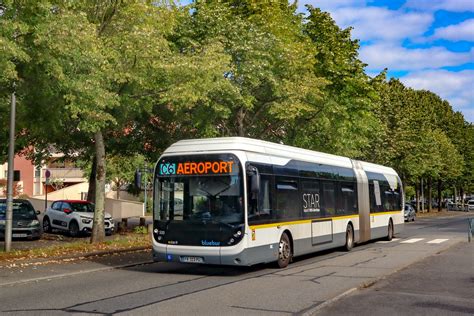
pixel 138 179
pixel 255 183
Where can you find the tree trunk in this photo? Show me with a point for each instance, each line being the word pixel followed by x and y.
pixel 98 232
pixel 240 122
pixel 429 195
pixel 91 190
pixel 417 196
pixel 439 195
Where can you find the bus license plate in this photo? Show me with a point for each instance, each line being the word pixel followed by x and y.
pixel 19 235
pixel 192 259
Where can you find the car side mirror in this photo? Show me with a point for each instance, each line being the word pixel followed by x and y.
pixel 38 212
pixel 67 211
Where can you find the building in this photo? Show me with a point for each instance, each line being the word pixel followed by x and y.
pixel 31 181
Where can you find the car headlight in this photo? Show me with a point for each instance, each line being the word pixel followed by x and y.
pixel 86 220
pixel 34 223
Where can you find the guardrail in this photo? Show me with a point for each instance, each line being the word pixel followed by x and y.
pixel 470 231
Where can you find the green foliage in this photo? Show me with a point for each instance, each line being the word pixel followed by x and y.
pixel 144 74
pixel 140 230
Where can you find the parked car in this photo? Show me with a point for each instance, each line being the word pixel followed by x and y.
pixel 74 216
pixel 410 213
pixel 25 220
pixel 470 205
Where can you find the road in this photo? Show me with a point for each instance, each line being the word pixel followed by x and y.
pixel 131 284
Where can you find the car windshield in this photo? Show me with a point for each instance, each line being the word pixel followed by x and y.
pixel 21 210
pixel 82 207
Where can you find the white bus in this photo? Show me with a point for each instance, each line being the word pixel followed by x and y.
pixel 241 201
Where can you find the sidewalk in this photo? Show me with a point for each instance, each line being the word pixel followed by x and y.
pixel 441 284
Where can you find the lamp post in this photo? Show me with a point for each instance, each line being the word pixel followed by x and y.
pixel 11 167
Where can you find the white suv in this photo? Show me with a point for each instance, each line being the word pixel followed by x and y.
pixel 470 205
pixel 73 216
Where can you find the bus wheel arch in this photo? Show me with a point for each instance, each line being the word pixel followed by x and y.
pixel 349 237
pixel 285 249
pixel 390 229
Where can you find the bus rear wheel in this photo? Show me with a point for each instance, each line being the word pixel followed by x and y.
pixel 349 238
pixel 390 230
pixel 284 251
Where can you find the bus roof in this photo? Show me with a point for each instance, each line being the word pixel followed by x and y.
pixel 256 146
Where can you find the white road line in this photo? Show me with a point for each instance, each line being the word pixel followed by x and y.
pixel 437 241
pixel 411 241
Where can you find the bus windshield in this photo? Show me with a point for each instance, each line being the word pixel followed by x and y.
pixel 198 200
pixel 208 198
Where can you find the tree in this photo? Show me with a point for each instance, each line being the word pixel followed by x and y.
pixel 267 82
pixel 344 122
pixel 121 170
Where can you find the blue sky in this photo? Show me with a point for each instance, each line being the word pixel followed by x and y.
pixel 427 44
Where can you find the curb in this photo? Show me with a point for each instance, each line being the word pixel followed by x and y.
pixel 75 256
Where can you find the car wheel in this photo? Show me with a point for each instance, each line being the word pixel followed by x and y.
pixel 73 229
pixel 390 230
pixel 46 225
pixel 284 251
pixel 349 238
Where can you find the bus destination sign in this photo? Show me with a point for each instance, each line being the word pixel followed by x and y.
pixel 196 168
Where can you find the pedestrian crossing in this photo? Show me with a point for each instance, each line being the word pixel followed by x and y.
pixel 413 241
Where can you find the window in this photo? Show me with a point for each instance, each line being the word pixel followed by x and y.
pixel 347 200
pixel 56 206
pixel 328 200
pixel 288 203
pixel 264 211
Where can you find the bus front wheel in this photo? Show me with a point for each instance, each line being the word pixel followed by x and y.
pixel 284 251
pixel 349 238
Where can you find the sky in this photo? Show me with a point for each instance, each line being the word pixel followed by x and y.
pixel 427 44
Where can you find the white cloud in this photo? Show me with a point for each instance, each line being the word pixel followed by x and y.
pixel 456 87
pixel 448 5
pixel 376 23
pixel 394 57
pixel 457 32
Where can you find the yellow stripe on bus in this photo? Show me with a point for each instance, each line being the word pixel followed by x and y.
pixel 307 221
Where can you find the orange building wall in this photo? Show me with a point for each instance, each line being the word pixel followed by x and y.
pixel 27 173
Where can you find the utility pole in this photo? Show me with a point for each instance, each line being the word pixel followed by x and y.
pixel 11 167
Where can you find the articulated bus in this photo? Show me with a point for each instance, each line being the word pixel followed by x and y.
pixel 241 201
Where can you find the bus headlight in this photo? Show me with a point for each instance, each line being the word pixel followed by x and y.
pixel 236 237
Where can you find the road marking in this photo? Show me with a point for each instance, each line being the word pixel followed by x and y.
pixel 411 241
pixel 387 241
pixel 437 241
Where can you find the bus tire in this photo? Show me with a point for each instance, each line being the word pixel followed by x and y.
pixel 349 238
pixel 390 230
pixel 284 251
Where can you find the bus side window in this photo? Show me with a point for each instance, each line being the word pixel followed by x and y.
pixel 328 201
pixel 262 211
pixel 288 199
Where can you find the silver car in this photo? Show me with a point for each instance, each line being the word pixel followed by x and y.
pixel 410 213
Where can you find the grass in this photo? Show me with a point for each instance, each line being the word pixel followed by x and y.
pixel 77 248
